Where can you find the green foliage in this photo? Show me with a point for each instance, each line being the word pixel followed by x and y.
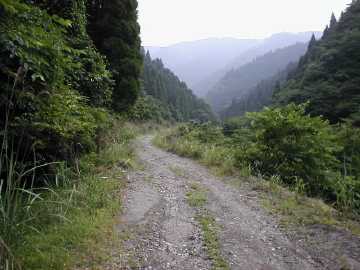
pixel 89 76
pixel 37 76
pixel 34 41
pixel 346 190
pixel 59 225
pixel 350 155
pixel 302 152
pixel 66 117
pixel 148 108
pixel 55 95
pixel 114 29
pixel 329 75
pixel 206 133
pixel 190 141
pixel 233 125
pixel 92 79
pixel 294 146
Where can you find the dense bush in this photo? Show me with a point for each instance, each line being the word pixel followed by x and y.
pixel 294 146
pixel 50 74
pixel 207 133
pixel 285 143
pixel 350 154
pixel 148 108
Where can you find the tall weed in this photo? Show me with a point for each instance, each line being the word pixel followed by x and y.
pixel 48 227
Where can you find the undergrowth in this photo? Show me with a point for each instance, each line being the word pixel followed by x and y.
pixel 69 223
pixel 305 168
pixel 296 208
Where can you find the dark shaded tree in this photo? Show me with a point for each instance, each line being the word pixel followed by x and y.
pixel 115 31
pixel 333 21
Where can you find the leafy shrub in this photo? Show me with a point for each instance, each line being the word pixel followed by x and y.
pixel 232 125
pixel 238 133
pixel 148 108
pixel 293 145
pixel 49 76
pixel 303 152
pixel 206 133
pixel 349 137
pixel 218 156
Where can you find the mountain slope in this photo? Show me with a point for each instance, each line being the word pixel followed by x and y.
pixel 193 61
pixel 260 96
pixel 329 74
pixel 166 97
pixel 237 83
pixel 274 42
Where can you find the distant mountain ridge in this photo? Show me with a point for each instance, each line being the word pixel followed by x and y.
pixel 260 96
pixel 193 61
pixel 238 82
pixel 202 63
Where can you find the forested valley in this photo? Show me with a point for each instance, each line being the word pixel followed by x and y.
pixel 96 127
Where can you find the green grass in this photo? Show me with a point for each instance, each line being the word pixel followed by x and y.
pixel 218 158
pixel 211 241
pixel 186 148
pixel 81 238
pixel 70 224
pixel 297 209
pixel 196 197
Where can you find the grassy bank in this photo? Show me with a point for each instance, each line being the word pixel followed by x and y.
pixel 224 157
pixel 68 224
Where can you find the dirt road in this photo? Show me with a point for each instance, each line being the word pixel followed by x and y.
pixel 162 231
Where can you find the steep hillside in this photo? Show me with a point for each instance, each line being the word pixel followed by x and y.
pixel 274 42
pixel 193 61
pixel 260 96
pixel 329 74
pixel 238 82
pixel 166 97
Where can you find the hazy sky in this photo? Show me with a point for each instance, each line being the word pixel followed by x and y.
pixel 165 22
